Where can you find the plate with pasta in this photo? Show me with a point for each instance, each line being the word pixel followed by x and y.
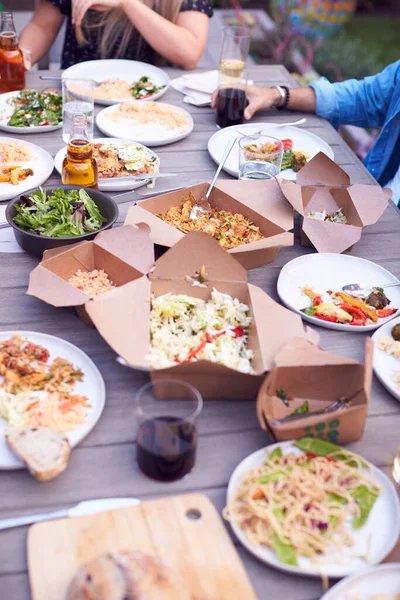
pixel 310 507
pixel 373 583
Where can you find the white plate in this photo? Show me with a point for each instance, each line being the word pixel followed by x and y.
pixel 302 140
pixel 92 386
pixel 379 533
pixel 42 166
pixel 118 184
pixel 331 272
pixel 149 134
pixel 370 582
pixel 5 114
pixel 130 70
pixel 384 364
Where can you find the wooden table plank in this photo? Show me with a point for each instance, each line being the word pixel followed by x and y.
pixel 104 464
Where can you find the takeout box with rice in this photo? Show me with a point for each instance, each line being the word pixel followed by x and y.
pixel 72 275
pixel 307 379
pixel 195 318
pixel 333 212
pixel 251 219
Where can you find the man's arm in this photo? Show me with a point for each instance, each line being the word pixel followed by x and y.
pixel 41 30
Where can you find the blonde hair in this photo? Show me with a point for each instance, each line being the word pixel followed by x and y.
pixel 114 23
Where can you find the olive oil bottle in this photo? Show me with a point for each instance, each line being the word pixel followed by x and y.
pixel 79 167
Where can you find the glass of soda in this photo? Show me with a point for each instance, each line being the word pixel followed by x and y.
pixel 78 98
pixel 231 102
pixel 167 411
pixel 260 157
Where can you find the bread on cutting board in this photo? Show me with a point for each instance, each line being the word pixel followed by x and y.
pixel 127 575
pixel 44 452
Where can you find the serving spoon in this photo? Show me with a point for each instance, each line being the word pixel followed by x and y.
pixel 360 290
pixel 202 208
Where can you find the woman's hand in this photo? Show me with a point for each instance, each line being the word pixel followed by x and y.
pixel 80 7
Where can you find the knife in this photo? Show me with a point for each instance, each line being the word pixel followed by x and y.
pixel 87 507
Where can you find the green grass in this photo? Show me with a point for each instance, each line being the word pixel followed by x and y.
pixel 364 46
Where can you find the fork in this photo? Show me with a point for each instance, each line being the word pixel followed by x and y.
pixel 336 405
pixel 268 125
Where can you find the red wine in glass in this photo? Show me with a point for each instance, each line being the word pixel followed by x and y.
pixel 231 103
pixel 166 448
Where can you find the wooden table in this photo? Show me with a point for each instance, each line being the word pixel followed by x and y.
pixel 104 464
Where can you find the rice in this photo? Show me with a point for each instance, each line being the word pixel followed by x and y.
pixel 93 283
pixel 12 153
pixel 108 90
pixel 150 113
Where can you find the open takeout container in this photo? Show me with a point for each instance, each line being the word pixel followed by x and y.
pixel 322 185
pixel 123 317
pixel 305 372
pixel 124 253
pixel 260 201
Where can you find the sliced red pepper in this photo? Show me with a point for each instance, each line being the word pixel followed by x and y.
pixel 330 318
pixel 45 123
pixel 317 301
pixel 311 455
pixel 237 331
pixel 210 338
pixel 386 312
pixel 353 310
pixel 195 350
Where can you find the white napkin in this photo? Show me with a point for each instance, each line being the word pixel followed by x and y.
pixel 7 237
pixel 198 87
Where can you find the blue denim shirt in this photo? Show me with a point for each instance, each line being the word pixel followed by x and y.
pixel 371 102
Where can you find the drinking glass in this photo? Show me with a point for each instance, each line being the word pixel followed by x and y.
pixel 167 411
pixel 231 101
pixel 234 51
pixel 78 98
pixel 260 157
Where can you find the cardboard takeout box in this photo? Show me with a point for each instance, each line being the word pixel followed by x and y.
pixel 124 253
pixel 323 185
pixel 122 317
pixel 260 201
pixel 306 372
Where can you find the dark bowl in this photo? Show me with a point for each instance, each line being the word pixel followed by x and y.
pixel 36 244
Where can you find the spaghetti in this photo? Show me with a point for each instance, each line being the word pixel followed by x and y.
pixel 300 505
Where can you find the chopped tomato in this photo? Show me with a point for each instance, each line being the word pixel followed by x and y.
pixel 287 144
pixel 317 301
pixel 311 455
pixel 45 123
pixel 386 312
pixel 330 318
pixel 237 332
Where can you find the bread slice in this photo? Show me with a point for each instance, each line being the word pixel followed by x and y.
pixel 44 452
pixel 126 575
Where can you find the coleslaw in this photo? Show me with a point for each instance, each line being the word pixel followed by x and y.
pixel 187 329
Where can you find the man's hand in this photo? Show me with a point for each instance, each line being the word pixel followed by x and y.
pixel 80 7
pixel 259 98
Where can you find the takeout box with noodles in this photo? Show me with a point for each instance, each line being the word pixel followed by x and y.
pixel 124 254
pixel 307 378
pixel 123 318
pixel 261 202
pixel 322 187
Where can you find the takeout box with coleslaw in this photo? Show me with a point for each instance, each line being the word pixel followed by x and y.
pixel 123 253
pixel 306 378
pixel 123 317
pixel 321 189
pixel 260 201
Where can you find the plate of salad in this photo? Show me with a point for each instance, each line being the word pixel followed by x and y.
pixel 31 111
pixel 120 80
pixel 300 146
pixel 311 286
pixel 310 507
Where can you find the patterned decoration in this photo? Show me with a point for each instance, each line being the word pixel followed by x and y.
pixel 327 431
pixel 314 17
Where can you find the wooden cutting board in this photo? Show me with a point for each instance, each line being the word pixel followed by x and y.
pixel 198 550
